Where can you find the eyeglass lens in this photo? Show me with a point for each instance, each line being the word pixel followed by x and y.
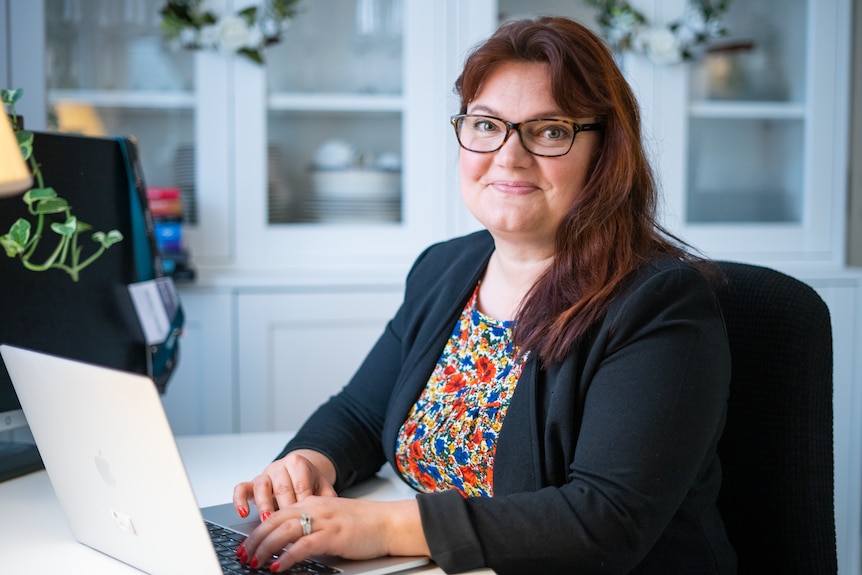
pixel 546 137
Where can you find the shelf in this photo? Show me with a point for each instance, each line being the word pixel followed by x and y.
pixel 746 110
pixel 155 100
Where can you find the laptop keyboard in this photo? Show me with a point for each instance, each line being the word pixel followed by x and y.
pixel 226 541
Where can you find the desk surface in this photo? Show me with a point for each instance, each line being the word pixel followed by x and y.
pixel 39 541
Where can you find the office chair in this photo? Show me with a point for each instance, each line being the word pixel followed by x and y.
pixel 776 452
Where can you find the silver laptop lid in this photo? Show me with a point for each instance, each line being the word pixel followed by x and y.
pixel 113 462
pixel 117 473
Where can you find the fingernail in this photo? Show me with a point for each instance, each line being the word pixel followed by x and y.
pixel 243 512
pixel 253 563
pixel 241 553
pixel 274 566
pixel 265 515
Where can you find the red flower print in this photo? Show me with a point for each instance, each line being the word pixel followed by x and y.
pixel 427 482
pixel 416 451
pixel 485 369
pixel 455 383
pixel 477 437
pixel 469 475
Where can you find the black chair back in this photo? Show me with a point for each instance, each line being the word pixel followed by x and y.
pixel 776 452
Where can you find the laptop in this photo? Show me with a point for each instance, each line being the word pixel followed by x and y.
pixel 118 476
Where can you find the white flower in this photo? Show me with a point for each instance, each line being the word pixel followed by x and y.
pixel 269 27
pixel 626 29
pixel 233 33
pixel 188 37
pixel 209 36
pixel 693 19
pixel 660 45
pixel 255 38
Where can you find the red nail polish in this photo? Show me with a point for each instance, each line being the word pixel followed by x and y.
pixel 265 515
pixel 274 566
pixel 253 563
pixel 243 512
pixel 241 552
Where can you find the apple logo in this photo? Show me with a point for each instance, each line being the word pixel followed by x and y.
pixel 104 469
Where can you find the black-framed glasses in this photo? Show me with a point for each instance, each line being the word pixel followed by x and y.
pixel 546 137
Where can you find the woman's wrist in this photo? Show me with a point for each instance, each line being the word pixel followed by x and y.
pixel 404 532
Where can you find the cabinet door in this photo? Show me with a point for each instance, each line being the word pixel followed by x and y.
pixel 343 137
pixel 199 396
pixel 297 349
pixel 749 141
pixel 108 71
pixel 843 296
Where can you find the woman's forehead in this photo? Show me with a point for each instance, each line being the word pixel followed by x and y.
pixel 523 87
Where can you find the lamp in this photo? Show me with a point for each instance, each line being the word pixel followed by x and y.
pixel 14 175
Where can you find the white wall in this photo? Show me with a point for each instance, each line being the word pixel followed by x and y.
pixel 854 225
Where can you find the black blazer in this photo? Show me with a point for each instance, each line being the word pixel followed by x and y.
pixel 606 462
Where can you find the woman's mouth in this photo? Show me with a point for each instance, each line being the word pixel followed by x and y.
pixel 514 187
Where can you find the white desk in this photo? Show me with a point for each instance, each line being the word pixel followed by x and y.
pixel 39 541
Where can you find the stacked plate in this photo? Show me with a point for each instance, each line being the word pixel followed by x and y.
pixel 355 195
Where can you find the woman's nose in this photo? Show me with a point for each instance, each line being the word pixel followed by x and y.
pixel 513 151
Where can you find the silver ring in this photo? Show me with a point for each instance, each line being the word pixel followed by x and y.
pixel 305 523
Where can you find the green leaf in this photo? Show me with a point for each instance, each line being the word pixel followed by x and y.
pixel 108 240
pixel 249 15
pixel 20 231
pixel 25 142
pixel 39 194
pixel 253 55
pixel 67 228
pixel 83 226
pixel 12 248
pixel 51 206
pixel 9 97
pixel 16 240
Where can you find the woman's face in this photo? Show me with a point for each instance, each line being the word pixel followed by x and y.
pixel 518 196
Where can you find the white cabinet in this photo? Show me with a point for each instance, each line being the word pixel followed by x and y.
pixel 750 143
pixel 263 358
pixel 200 396
pixel 243 141
pixel 297 349
pixel 843 295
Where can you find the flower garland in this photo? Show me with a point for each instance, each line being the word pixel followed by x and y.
pixel 246 33
pixel 627 29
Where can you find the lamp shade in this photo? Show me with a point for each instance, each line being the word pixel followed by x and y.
pixel 14 175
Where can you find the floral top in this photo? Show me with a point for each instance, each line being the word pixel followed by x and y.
pixel 450 436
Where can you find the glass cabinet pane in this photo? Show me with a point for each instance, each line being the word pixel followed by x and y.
pixel 340 46
pixel 747 118
pixel 334 120
pixel 334 167
pixel 111 73
pixel 745 170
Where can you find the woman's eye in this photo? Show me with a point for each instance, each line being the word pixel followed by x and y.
pixel 555 133
pixel 484 126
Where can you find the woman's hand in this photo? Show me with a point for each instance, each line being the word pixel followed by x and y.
pixel 297 475
pixel 350 528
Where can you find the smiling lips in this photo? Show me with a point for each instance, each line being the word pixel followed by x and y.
pixel 514 187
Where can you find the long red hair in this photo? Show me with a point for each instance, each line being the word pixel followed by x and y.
pixel 611 228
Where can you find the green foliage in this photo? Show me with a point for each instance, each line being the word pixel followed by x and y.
pixel 51 212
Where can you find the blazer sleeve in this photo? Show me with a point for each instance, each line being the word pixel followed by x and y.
pixel 644 401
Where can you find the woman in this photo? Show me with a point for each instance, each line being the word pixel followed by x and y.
pixel 554 386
